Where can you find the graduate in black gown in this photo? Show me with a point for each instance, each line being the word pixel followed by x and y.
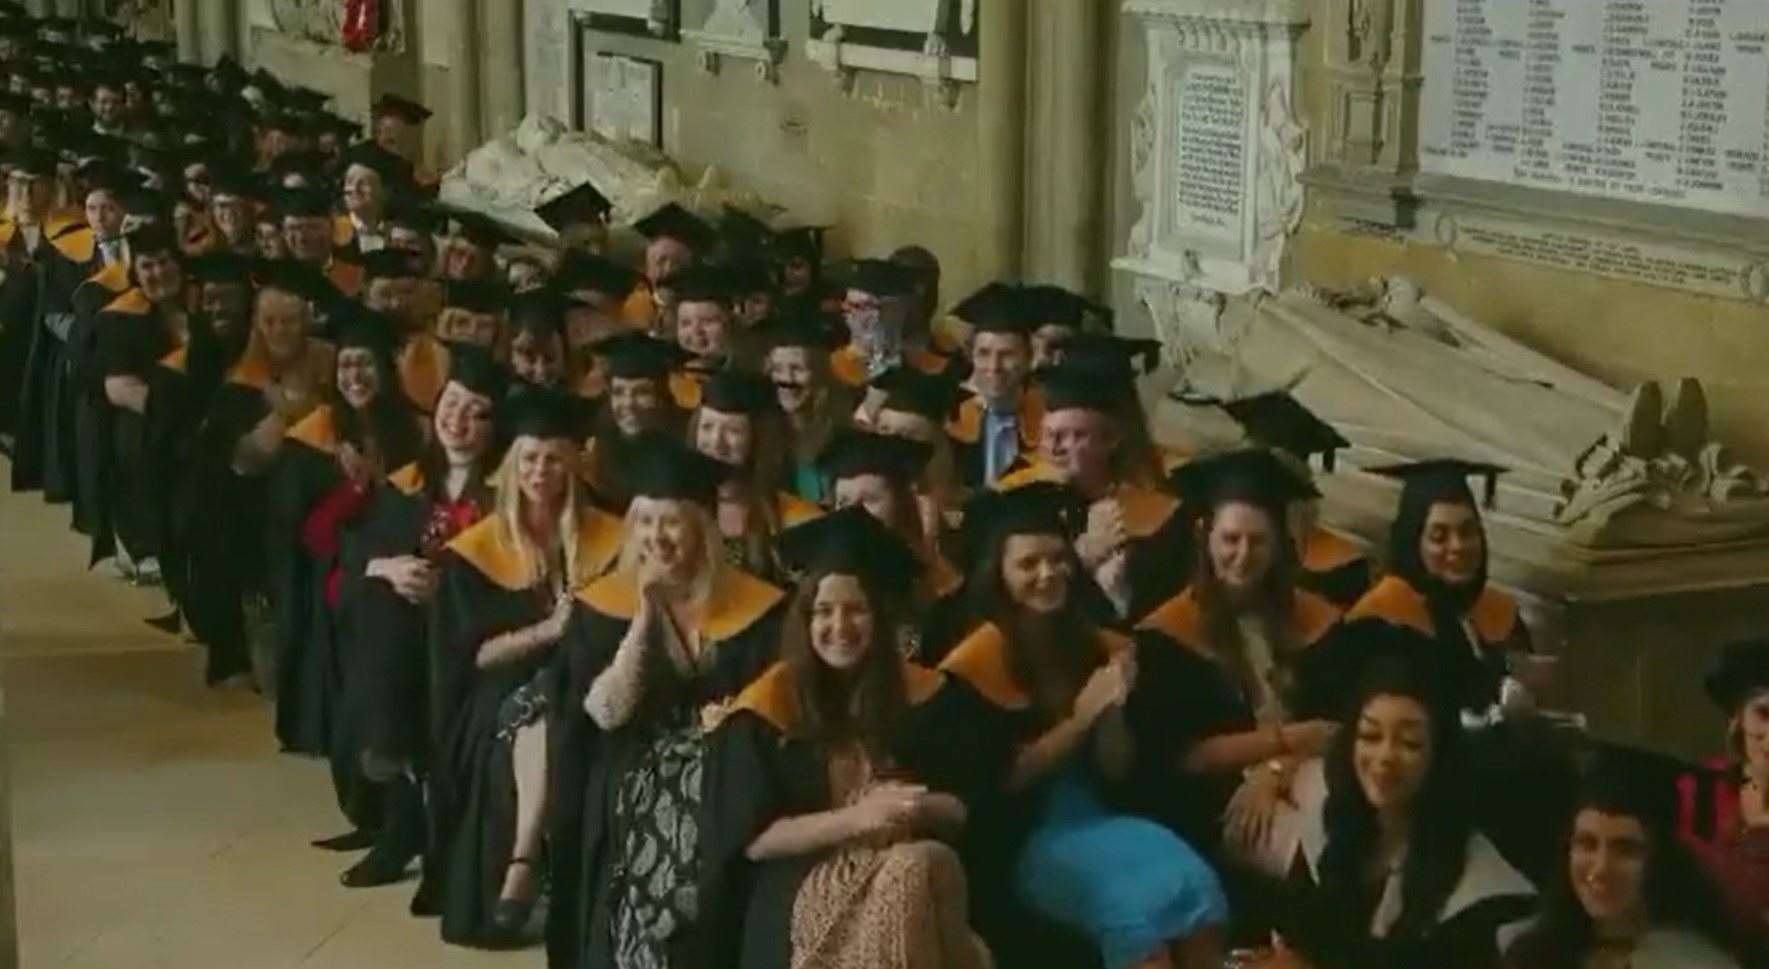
pixel 134 332
pixel 673 631
pixel 44 455
pixel 24 241
pixel 1229 700
pixel 850 772
pixel 1067 875
pixel 1332 566
pixel 322 461
pixel 1384 864
pixel 389 566
pixel 739 424
pixel 637 402
pixel 278 380
pixel 498 620
pixel 878 474
pixel 330 466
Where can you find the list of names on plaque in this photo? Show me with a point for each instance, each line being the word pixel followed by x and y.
pixel 1662 101
pixel 1209 159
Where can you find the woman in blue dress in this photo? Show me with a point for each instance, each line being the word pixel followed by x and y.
pixel 1055 685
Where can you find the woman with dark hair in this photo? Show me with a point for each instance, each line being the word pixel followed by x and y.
pixel 738 425
pixel 1056 686
pixel 878 474
pixel 1229 693
pixel 537 339
pixel 323 477
pixel 656 647
pixel 1724 811
pixel 1384 864
pixel 498 619
pixel 389 561
pixel 1437 582
pixel 637 401
pixel 852 769
pixel 1627 896
pixel 915 406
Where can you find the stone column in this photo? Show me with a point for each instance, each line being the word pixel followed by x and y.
pixel 1001 107
pixel 463 80
pixel 500 65
pixel 1067 119
pixel 67 8
pixel 185 29
pixel 215 24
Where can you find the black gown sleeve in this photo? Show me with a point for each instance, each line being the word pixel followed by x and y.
pixel 1180 699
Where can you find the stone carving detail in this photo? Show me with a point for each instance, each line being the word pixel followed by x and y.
pixel 1187 319
pixel 747 29
pixel 935 40
pixel 1217 151
pixel 322 21
pixel 1368 27
pixel 1662 457
pixel 1404 376
pixel 506 178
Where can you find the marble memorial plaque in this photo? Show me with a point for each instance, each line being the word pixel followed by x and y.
pixel 1209 157
pixel 1660 101
pixel 622 97
pixel 1710 273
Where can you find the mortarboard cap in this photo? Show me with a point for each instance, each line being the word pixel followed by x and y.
pixel 235 181
pixel 1066 387
pixel 1278 420
pixel 881 277
pixel 366 329
pixel 1253 475
pixel 701 284
pixel 386 264
pixel 1443 479
pixel 663 467
pixel 477 229
pixel 851 453
pixel 544 413
pixel 1053 305
pixel 31 162
pixel 582 204
pixel 1039 508
pixel 146 203
pixel 672 221
pixel 634 356
pixel 1741 672
pixel 303 203
pixel 475 296
pixel 914 391
pixel 581 271
pixel 731 391
pixel 151 238
pixel 1371 656
pixel 412 212
pixel 221 267
pixel 474 369
pixel 406 110
pixel 806 327
pixel 801 242
pixel 852 542
pixel 304 98
pixel 393 170
pixel 538 311
pixel 1109 356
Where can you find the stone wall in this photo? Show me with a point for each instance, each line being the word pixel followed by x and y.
pixel 885 163
pixel 1621 332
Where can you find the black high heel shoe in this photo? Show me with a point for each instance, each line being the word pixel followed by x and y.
pixel 510 916
pixel 400 839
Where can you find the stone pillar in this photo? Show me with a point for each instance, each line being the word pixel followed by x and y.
pixel 67 8
pixel 1071 170
pixel 185 29
pixel 1001 106
pixel 463 80
pixel 500 65
pixel 215 25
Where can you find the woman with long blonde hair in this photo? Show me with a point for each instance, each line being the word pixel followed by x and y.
pixel 658 646
pixel 500 614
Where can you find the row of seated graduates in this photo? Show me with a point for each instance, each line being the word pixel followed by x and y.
pixel 240 409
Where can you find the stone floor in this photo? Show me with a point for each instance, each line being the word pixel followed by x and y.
pixel 155 824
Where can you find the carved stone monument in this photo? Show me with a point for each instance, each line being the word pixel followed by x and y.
pixel 1216 155
pixel 744 30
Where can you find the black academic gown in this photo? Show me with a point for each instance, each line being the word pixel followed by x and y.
pixel 18 303
pixel 1001 822
pixel 740 635
pixel 87 350
pixel 181 387
pixel 382 636
pixel 123 469
pixel 44 457
pixel 305 471
pixel 1184 695
pixel 221 514
pixel 484 592
pixel 773 775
